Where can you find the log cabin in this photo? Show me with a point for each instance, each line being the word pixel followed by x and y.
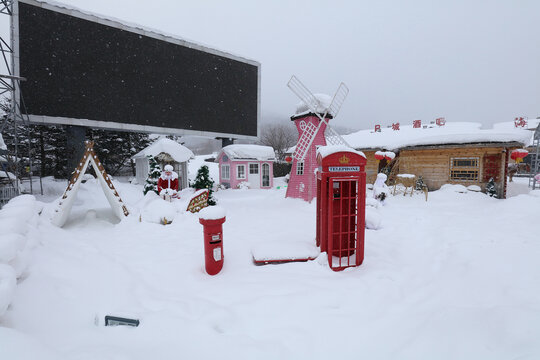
pixel 456 153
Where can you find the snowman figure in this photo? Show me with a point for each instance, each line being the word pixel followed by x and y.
pixel 380 189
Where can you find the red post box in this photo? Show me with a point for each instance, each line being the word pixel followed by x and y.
pixel 212 219
pixel 341 204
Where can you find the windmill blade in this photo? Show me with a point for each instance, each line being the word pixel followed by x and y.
pixel 305 141
pixel 333 138
pixel 337 101
pixel 304 94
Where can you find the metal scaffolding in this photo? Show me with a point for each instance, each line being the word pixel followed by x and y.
pixel 535 159
pixel 10 88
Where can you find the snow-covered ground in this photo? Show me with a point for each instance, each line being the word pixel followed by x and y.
pixel 456 277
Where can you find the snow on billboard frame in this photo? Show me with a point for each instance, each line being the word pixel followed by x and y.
pixel 223 124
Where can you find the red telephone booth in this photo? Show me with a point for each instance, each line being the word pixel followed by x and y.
pixel 341 206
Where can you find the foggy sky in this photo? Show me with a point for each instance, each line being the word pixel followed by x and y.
pixel 402 60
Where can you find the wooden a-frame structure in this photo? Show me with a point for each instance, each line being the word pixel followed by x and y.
pixel 66 201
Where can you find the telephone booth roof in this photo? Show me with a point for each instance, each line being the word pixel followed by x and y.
pixel 340 159
pixel 325 151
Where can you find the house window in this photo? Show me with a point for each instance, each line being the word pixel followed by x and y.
pixel 299 168
pixel 225 172
pixel 464 169
pixel 240 171
pixel 253 168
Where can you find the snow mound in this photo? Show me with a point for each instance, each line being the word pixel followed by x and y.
pixel 474 188
pixel 212 213
pixel 18 346
pixel 373 218
pixel 284 251
pixel 157 210
pixel 8 281
pixel 10 246
pixel 453 188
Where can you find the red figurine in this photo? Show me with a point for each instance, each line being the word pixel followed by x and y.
pixel 168 182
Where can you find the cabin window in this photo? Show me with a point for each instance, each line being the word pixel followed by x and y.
pixel 253 168
pixel 464 169
pixel 299 168
pixel 240 171
pixel 225 172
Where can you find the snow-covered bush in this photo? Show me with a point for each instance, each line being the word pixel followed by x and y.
pixel 244 185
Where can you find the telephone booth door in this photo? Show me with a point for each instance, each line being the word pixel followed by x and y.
pixel 345 224
pixel 341 202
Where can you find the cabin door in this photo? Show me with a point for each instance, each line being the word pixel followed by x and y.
pixel 492 167
pixel 265 175
pixel 254 176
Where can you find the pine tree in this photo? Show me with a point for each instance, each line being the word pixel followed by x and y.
pixel 419 185
pixel 203 181
pixel 490 188
pixel 153 175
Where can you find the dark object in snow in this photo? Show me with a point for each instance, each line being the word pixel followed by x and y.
pixel 203 181
pixel 491 189
pixel 115 321
pixel 381 197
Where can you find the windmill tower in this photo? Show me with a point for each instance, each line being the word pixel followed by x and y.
pixel 313 131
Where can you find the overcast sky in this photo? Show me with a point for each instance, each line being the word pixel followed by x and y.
pixel 402 60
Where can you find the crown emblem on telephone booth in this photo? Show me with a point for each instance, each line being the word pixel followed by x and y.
pixel 344 160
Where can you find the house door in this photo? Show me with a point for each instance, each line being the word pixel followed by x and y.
pixel 254 177
pixel 265 175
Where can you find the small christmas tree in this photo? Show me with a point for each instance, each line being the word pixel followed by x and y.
pixel 490 188
pixel 153 175
pixel 203 181
pixel 419 185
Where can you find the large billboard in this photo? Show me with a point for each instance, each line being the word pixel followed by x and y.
pixel 81 69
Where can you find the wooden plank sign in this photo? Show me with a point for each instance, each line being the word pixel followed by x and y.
pixel 198 201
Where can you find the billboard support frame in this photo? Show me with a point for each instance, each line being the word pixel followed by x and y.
pixel 11 84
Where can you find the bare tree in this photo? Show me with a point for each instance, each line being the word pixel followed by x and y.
pixel 279 136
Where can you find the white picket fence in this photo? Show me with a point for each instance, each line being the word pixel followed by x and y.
pixel 7 192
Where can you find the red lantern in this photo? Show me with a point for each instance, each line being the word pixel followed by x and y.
pixel 518 155
pixel 389 156
pixel 379 155
pixel 288 159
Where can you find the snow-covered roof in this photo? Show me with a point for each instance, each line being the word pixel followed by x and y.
pixel 248 152
pixel 509 125
pixel 451 133
pixel 178 152
pixel 324 103
pixel 324 151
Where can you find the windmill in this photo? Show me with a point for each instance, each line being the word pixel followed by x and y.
pixel 313 130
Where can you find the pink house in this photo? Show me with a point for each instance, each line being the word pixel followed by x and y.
pixel 243 163
pixel 302 181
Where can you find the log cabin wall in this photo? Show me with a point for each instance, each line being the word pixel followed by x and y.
pixel 441 166
pixel 372 166
pixel 450 164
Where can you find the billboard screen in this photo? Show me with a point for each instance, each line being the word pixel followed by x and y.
pixel 85 70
